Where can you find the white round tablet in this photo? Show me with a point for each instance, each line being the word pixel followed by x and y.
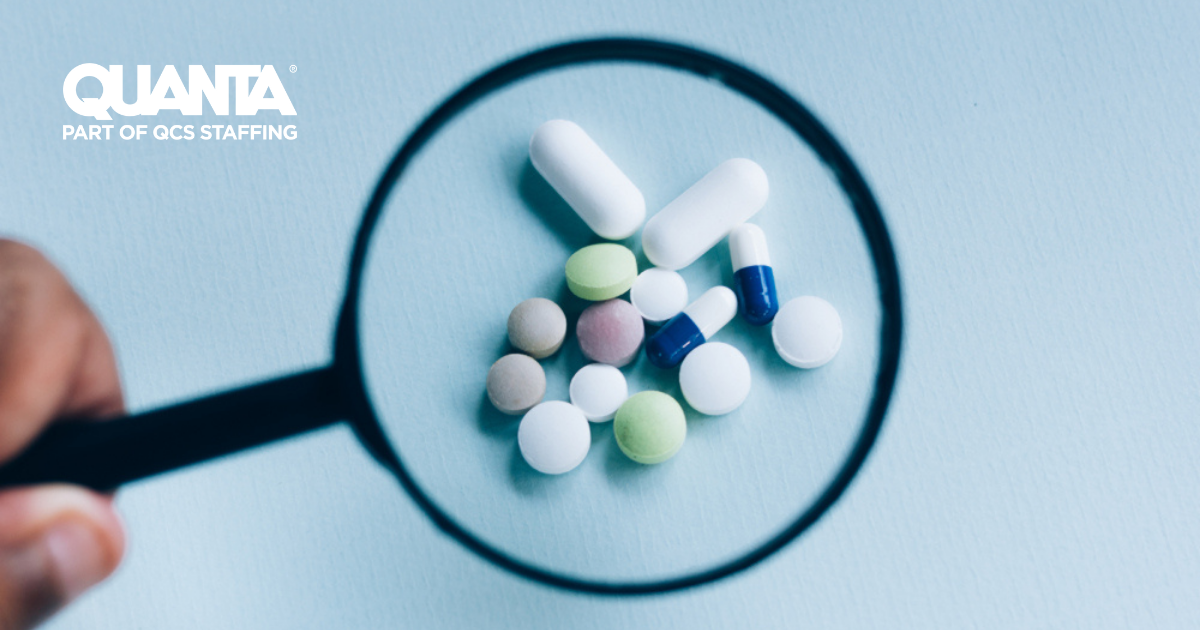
pixel 598 390
pixel 715 378
pixel 807 332
pixel 554 437
pixel 659 294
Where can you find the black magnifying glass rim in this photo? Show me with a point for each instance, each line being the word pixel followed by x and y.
pixel 771 97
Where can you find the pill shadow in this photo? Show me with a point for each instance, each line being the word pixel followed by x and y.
pixel 525 480
pixel 618 465
pixel 627 475
pixel 548 206
pixel 572 357
pixel 495 423
pixel 491 421
pixel 705 427
pixel 502 346
pixel 645 376
pixel 571 304
pixel 529 482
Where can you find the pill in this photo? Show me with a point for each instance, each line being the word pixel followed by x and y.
pixel 650 427
pixel 705 213
pixel 516 383
pixel 753 277
pixel 554 437
pixel 601 272
pixel 610 332
pixel 807 332
pixel 537 327
pixel 598 390
pixel 658 294
pixel 715 378
pixel 587 179
pixel 695 325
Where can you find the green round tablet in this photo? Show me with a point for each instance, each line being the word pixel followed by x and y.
pixel 601 272
pixel 650 427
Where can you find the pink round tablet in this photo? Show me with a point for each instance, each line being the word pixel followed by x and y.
pixel 610 332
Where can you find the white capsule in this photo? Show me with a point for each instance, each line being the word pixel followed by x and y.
pixel 748 247
pixel 704 214
pixel 587 179
pixel 712 310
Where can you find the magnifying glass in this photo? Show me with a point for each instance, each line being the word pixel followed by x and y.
pixel 460 228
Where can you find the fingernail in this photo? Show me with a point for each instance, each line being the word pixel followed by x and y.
pixel 77 556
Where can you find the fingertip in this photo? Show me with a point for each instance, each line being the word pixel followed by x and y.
pixel 76 531
pixel 79 556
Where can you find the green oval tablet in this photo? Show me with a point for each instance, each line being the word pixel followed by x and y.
pixel 601 272
pixel 650 427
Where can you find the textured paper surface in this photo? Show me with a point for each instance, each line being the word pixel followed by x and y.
pixel 1037 168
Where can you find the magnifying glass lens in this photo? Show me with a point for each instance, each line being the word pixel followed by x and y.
pixel 471 230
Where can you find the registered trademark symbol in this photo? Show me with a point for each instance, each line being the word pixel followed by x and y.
pixel 293 68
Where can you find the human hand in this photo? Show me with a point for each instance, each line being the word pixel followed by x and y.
pixel 55 361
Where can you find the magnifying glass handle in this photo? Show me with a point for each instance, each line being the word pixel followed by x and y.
pixel 106 454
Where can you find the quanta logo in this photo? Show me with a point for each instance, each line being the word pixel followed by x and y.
pixel 189 100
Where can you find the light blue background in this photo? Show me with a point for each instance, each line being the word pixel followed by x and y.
pixel 1037 168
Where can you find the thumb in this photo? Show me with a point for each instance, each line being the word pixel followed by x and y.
pixel 55 542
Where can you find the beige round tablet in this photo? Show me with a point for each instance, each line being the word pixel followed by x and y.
pixel 516 383
pixel 537 327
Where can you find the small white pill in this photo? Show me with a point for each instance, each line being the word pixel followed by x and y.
pixel 715 378
pixel 658 294
pixel 598 390
pixel 807 332
pixel 704 214
pixel 587 179
pixel 554 437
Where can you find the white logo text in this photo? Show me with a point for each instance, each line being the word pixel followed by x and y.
pixel 189 100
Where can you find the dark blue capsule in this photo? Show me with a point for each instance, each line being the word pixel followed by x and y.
pixel 679 336
pixel 753 278
pixel 755 288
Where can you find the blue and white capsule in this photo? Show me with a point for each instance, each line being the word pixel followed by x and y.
pixel 753 278
pixel 695 325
